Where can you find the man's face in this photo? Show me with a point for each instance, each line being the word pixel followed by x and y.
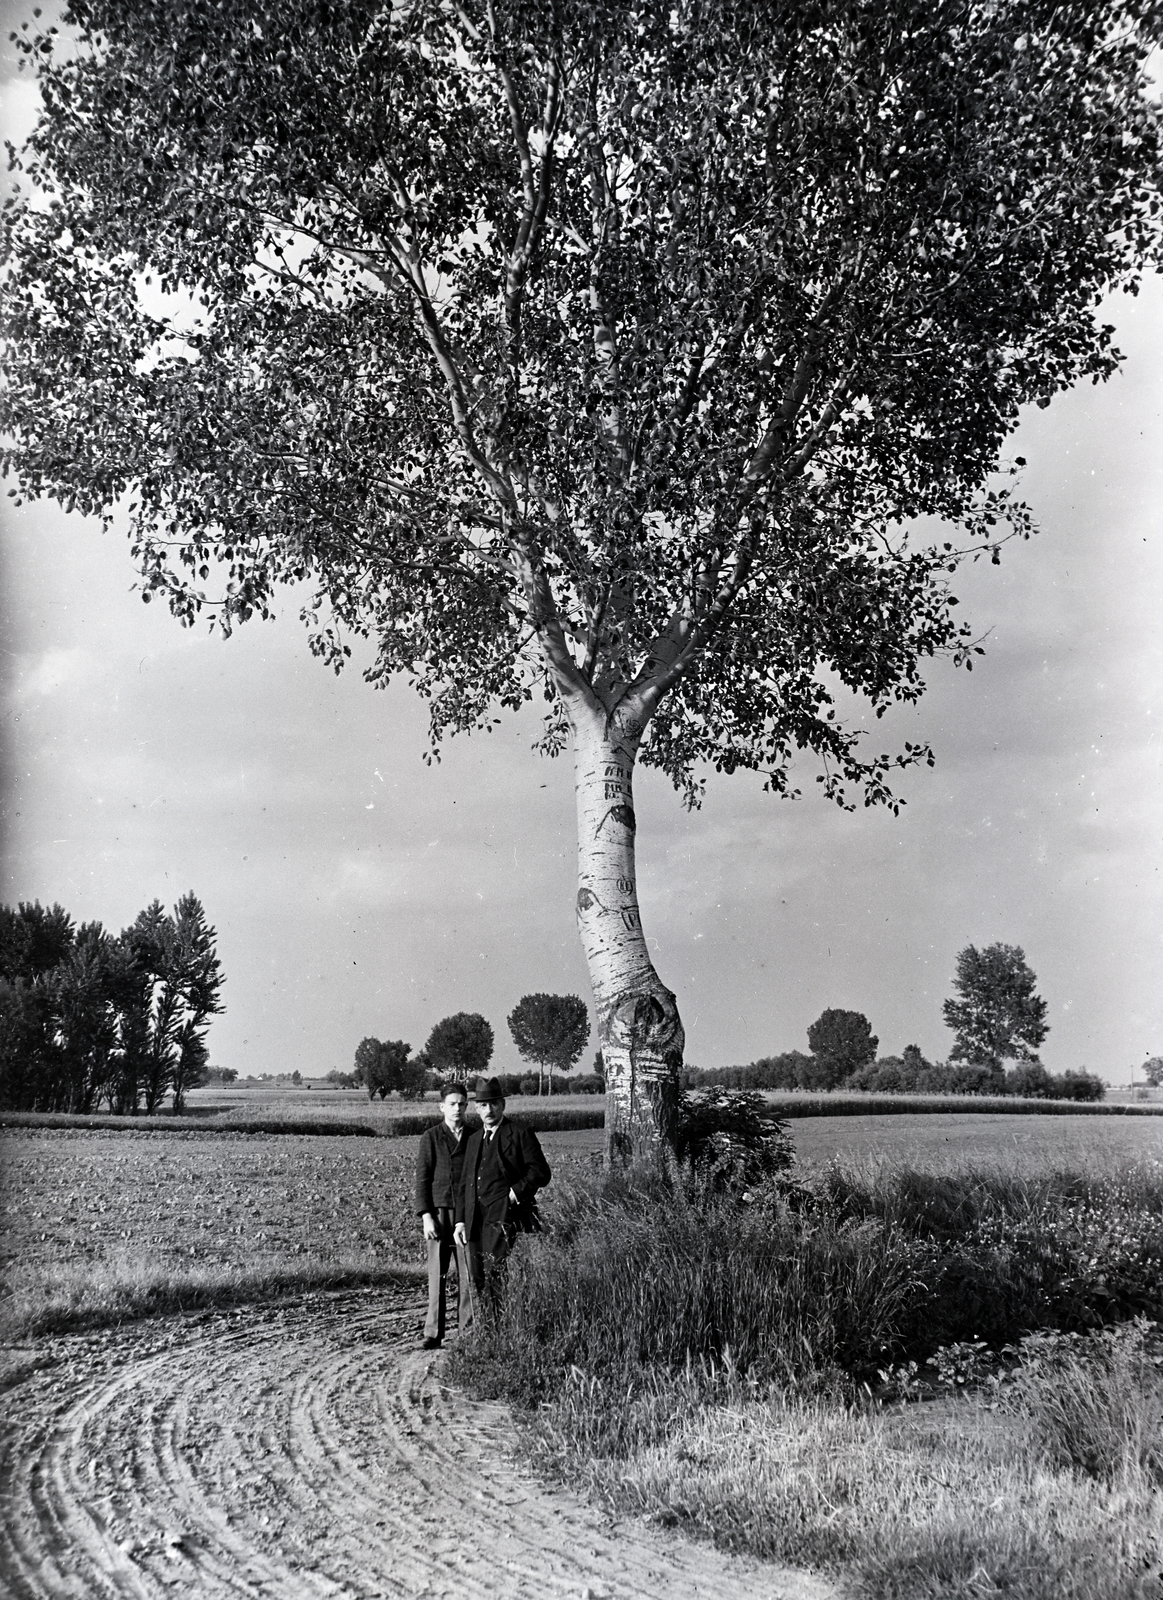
pixel 491 1112
pixel 452 1108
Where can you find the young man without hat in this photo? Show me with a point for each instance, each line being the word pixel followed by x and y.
pixel 439 1162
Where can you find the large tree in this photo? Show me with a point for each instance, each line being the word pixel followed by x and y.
pixel 996 1015
pixel 460 1046
pixel 841 1043
pixel 550 1029
pixel 599 349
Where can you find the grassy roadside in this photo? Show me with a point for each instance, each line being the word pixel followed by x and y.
pixel 130 1286
pixel 942 1501
pixel 740 1374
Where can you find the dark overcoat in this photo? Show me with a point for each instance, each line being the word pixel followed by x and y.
pixel 523 1161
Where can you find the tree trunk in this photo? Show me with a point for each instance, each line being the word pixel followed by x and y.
pixel 639 1030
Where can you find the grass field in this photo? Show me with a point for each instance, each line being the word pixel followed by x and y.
pixel 952 1141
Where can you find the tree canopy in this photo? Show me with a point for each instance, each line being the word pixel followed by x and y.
pixel 996 1016
pixel 625 352
pixel 87 1017
pixel 384 1067
pixel 600 341
pixel 550 1029
pixel 841 1042
pixel 461 1045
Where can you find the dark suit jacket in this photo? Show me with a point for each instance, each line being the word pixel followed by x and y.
pixel 438 1168
pixel 522 1158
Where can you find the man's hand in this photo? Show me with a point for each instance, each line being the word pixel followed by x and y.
pixel 513 1197
pixel 459 1234
pixel 431 1231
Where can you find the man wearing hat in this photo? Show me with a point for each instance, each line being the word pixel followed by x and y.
pixel 503 1169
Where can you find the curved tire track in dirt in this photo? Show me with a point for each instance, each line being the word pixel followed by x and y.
pixel 299 1451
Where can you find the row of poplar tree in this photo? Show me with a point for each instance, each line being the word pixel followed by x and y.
pixel 92 1020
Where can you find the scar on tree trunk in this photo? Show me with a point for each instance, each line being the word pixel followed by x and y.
pixel 639 1029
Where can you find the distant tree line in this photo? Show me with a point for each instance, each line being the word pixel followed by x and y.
pixel 995 1015
pixel 92 1020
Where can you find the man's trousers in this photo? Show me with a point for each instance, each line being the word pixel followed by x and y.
pixel 440 1253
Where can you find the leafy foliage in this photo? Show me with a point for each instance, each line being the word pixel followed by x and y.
pixel 600 346
pixel 550 1029
pixel 997 1015
pixel 460 1046
pixel 1152 1070
pixel 732 1141
pixel 87 1018
pixel 385 1068
pixel 841 1043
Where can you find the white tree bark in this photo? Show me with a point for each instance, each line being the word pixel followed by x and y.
pixel 639 1030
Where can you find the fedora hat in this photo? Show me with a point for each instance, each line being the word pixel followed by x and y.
pixel 487 1089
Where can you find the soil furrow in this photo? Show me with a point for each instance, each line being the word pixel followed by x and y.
pixel 305 1452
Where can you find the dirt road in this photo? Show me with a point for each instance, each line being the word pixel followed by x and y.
pixel 300 1451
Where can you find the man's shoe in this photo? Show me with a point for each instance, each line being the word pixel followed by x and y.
pixel 431 1344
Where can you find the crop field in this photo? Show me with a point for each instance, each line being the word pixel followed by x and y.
pixel 956 1141
pixel 93 1219
pixel 95 1224
pixel 293 1103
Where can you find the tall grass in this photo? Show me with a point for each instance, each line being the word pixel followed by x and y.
pixel 633 1280
pixel 821 1285
pixel 710 1363
pixel 1095 1402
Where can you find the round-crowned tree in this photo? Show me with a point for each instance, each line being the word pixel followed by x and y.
pixel 550 1029
pixel 460 1046
pixel 841 1043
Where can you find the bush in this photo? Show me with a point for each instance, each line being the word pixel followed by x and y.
pixel 1030 1080
pixel 788 1071
pixel 886 1076
pixel 732 1140
pixel 1078 1086
pixel 1094 1402
pixel 585 1083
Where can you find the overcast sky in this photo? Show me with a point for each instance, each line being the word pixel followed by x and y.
pixel 357 891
